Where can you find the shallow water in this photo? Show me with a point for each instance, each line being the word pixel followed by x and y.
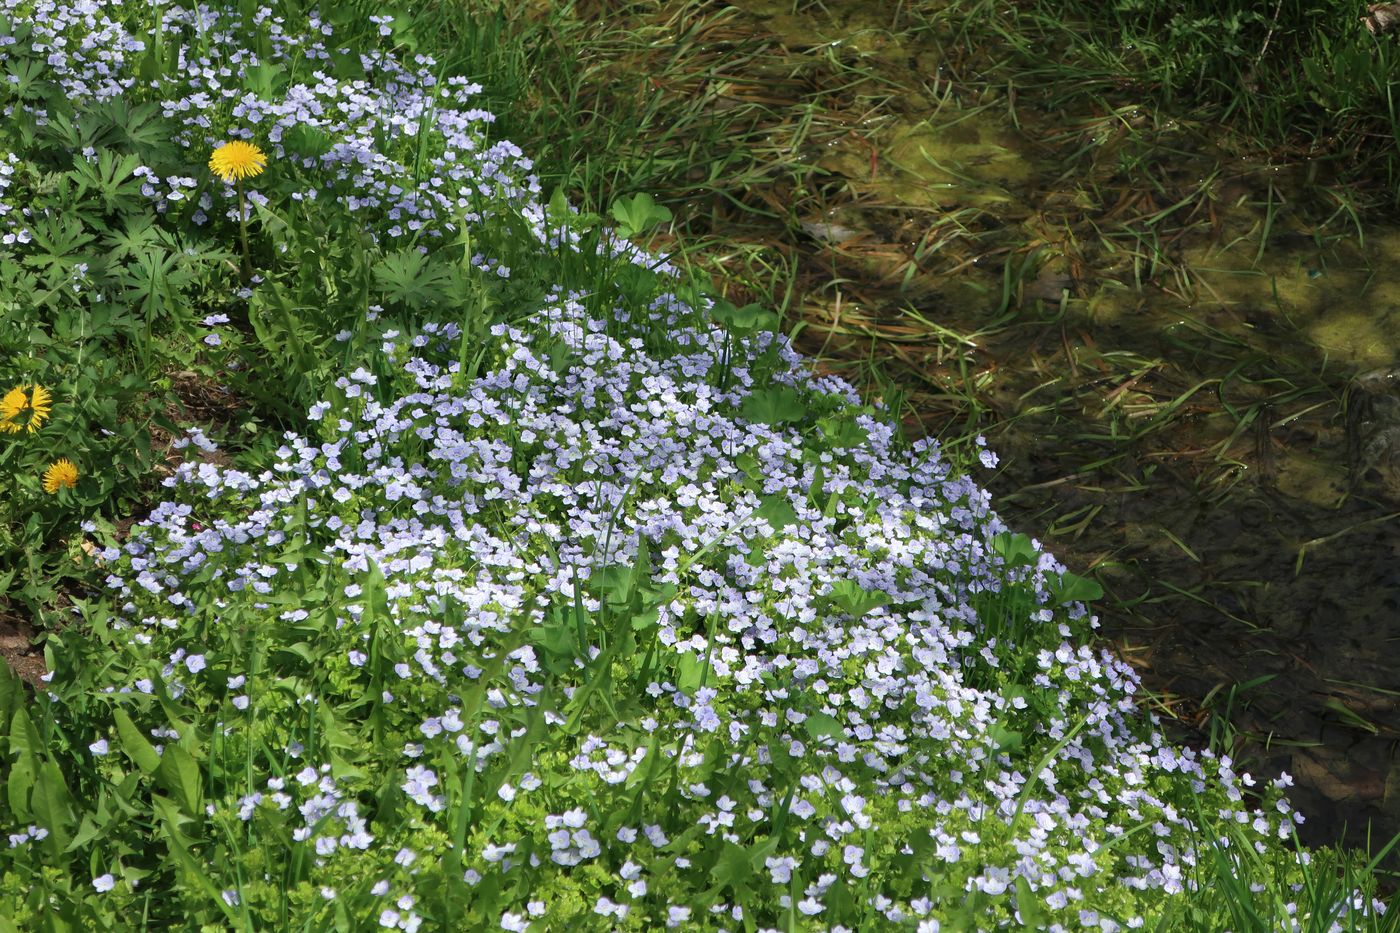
pixel 1186 371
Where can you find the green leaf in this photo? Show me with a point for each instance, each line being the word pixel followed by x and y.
pixel 777 511
pixel 850 597
pixel 134 744
pixel 612 584
pixel 142 126
pixel 558 645
pixel 306 141
pixel 1072 588
pixel 1015 549
pixel 638 214
pixel 823 726
pixel 646 618
pixel 688 671
pixel 1007 740
pixel 111 178
pixel 11 687
pixel 744 321
pixel 179 774
pixel 88 830
pixel 778 405
pixel 636 283
pixel 171 822
pixel 413 278
pixel 965 917
pixel 265 80
pixel 24 738
pixel 734 867
pixel 842 432
pixel 347 65
pixel 18 784
pixel 1032 911
pixel 557 210
pixel 300 650
pixel 53 805
pixel 375 595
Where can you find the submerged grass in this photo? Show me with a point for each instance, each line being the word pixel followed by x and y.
pixel 1306 78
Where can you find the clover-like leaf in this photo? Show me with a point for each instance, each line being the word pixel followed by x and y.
pixel 749 319
pixel 638 214
pixel 778 405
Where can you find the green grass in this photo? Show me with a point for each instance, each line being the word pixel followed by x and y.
pixel 1306 80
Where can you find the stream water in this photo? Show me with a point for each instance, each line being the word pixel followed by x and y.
pixel 1188 364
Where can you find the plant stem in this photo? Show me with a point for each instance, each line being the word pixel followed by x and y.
pixel 243 234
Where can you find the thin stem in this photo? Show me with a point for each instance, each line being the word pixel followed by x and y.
pixel 243 234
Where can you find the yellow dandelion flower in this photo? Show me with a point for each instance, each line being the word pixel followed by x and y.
pixel 237 159
pixel 41 401
pixel 32 398
pixel 13 402
pixel 61 474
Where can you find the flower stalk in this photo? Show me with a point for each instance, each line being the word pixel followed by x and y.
pixel 247 274
pixel 235 161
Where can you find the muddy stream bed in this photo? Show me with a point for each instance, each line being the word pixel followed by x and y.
pixel 1186 362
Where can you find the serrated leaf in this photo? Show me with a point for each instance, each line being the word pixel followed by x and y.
pixel 557 642
pixel 264 79
pixel 842 432
pixel 343 770
pixel 778 405
pixel 643 770
pixel 412 278
pixel 557 210
pixel 375 595
pixel 612 584
pixel 11 687
pixel 171 822
pixel 636 282
pixel 88 830
pixel 300 650
pixel 646 618
pixel 347 65
pixel 24 738
pixel 852 598
pixel 306 141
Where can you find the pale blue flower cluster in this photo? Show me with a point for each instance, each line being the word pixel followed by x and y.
pixel 492 507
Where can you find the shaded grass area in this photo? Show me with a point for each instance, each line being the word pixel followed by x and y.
pixel 1300 79
pixel 1040 322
